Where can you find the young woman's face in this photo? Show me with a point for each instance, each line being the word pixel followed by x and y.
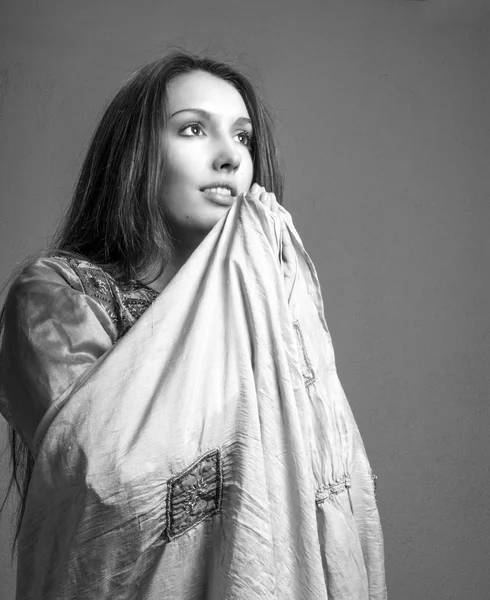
pixel 208 160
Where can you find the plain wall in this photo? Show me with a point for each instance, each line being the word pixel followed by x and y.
pixel 382 112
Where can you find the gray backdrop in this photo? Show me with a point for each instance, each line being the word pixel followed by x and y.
pixel 382 111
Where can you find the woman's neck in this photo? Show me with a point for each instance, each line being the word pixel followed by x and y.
pixel 178 259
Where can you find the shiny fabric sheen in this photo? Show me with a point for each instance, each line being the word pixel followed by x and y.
pixel 208 454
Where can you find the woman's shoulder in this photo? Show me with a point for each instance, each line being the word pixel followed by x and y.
pixel 55 277
pixel 43 270
pixel 46 280
pixel 55 274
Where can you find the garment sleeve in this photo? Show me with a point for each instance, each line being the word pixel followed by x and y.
pixel 52 333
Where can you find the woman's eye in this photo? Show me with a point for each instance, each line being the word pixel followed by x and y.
pixel 194 128
pixel 245 138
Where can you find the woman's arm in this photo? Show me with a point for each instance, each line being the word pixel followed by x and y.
pixel 52 333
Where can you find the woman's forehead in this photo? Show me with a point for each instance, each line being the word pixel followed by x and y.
pixel 201 90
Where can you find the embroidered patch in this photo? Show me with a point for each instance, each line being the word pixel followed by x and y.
pixel 331 489
pixel 306 367
pixel 194 494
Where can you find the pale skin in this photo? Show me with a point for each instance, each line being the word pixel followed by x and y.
pixel 207 139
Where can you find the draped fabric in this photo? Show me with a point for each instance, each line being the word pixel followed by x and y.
pixel 210 453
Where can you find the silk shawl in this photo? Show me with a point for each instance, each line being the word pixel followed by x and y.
pixel 211 452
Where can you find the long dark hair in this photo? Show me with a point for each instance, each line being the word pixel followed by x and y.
pixel 115 218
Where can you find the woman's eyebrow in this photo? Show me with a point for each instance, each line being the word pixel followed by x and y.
pixel 241 121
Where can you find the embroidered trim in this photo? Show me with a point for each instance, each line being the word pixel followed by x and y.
pixel 332 489
pixel 194 495
pixel 137 300
pixel 306 368
pixel 124 303
pixel 96 284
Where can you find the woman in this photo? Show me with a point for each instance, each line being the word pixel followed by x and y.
pixel 206 450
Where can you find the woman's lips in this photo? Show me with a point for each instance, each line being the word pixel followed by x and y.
pixel 219 197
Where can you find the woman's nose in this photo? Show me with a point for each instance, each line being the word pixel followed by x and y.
pixel 227 157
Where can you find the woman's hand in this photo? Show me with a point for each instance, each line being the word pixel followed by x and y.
pixel 267 198
pixel 288 257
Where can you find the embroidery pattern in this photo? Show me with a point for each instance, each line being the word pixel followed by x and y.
pixel 306 368
pixel 194 494
pixel 331 489
pixel 136 298
pixel 124 303
pixel 96 284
